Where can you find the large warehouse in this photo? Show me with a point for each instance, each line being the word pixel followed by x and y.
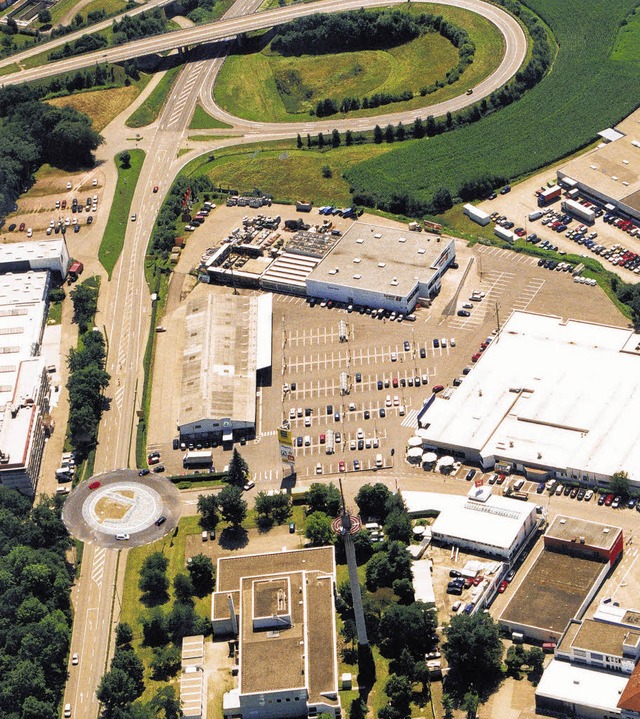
pixel 24 391
pixel 35 255
pixel 552 397
pixel 382 267
pixel 227 342
pixel 480 522
pixel 610 173
pixel 281 608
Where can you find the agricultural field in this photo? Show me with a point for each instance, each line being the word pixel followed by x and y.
pixel 285 172
pixel 102 106
pixel 265 86
pixel 588 89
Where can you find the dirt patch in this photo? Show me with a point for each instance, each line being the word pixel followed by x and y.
pixel 113 507
pixel 101 106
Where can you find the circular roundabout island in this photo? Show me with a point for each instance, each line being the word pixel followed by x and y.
pixel 120 508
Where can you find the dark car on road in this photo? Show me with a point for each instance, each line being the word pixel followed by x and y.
pixel 158 468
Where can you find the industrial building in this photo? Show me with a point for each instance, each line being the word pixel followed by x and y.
pixel 476 214
pixel 481 522
pixel 279 605
pixel 51 255
pixel 576 558
pixel 227 344
pixel 24 390
pixel 382 267
pixel 610 173
pixel 551 397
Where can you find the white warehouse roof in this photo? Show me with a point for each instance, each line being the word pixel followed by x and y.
pixel 582 686
pixel 494 521
pixel 549 393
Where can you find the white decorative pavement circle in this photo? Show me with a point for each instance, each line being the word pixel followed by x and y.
pixel 126 507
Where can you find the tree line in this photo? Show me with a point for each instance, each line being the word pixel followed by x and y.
pixel 35 627
pixel 424 22
pixel 164 233
pixel 134 27
pixel 87 378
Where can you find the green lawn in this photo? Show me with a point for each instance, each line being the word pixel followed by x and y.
pixel 265 86
pixel 60 9
pixel 285 172
pixel 8 69
pixel 201 120
pixel 55 313
pixel 113 239
pixel 111 7
pixel 150 109
pixel 588 89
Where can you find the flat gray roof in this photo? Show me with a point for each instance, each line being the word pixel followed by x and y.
pixel 381 259
pixel 219 360
pixel 572 529
pixel 612 168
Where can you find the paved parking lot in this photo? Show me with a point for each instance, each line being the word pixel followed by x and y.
pixel 307 353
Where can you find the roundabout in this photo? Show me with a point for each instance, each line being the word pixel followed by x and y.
pixel 119 508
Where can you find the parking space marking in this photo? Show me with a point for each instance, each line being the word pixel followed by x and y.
pixel 411 420
pixel 308 337
pixel 528 294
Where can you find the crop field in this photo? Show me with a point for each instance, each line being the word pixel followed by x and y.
pixel 286 173
pixel 267 87
pixel 102 106
pixel 591 86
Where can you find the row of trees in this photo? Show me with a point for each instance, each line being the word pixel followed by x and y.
pixel 134 27
pixel 35 629
pixel 458 36
pixel 85 43
pixel 164 232
pixel 87 378
pixel 345 32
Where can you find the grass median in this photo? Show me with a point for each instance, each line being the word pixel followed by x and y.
pixel 150 109
pixel 113 239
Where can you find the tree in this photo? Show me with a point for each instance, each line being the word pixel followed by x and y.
pixel 318 529
pixel 298 141
pixel 165 662
pixel 470 703
pixel 388 565
pixel 534 659
pixel 335 138
pixel 473 650
pixel 403 589
pixel 153 581
pixel 183 588
pixel 44 16
pixel 124 634
pixel 447 705
pixel 232 506
pixel 273 507
pixel 202 574
pixel 371 500
pixel 412 627
pixel 155 628
pixel 166 700
pixel 378 135
pixel 183 622
pixel 515 659
pixel 238 469
pixel 398 526
pixel 348 138
pixel 125 159
pixel 208 511
pixel 85 304
pixel 130 664
pixel 324 498
pixel 389 134
pixel 116 690
pixel 620 485
pixel 404 665
pixel 398 689
pixel 442 200
pixel 320 141
pixel 327 172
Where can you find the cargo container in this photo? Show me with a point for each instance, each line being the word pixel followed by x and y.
pixel 476 214
pixel 573 193
pixel 504 234
pixel 580 211
pixel 197 459
pixel 76 268
pixel 551 194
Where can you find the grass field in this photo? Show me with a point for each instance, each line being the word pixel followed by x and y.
pixel 8 69
pixel 102 106
pixel 285 172
pixel 111 7
pixel 113 239
pixel 266 87
pixel 201 120
pixel 588 89
pixel 150 109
